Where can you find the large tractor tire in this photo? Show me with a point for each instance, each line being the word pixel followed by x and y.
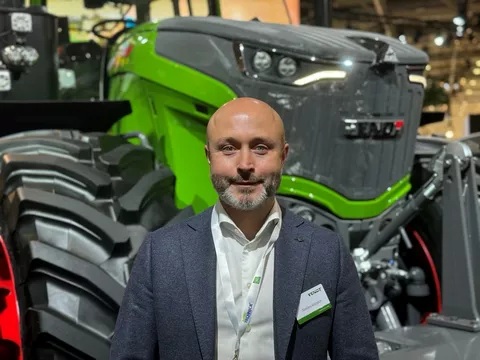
pixel 75 209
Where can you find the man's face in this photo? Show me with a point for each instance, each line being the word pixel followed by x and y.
pixel 246 154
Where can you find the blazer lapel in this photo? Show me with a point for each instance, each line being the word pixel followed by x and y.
pixel 291 254
pixel 200 270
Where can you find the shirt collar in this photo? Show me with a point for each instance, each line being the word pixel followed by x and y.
pixel 275 217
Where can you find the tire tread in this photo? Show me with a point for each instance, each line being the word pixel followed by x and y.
pixel 77 207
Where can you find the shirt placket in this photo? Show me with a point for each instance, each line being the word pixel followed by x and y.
pixel 249 267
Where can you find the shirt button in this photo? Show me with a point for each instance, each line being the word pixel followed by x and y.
pixel 248 285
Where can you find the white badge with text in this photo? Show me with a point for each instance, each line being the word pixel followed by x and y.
pixel 313 302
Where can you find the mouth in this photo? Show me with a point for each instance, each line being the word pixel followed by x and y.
pixel 246 183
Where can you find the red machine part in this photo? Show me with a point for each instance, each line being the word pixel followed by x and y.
pixel 433 269
pixel 10 336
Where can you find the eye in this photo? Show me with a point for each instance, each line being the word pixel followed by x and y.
pixel 228 148
pixel 261 148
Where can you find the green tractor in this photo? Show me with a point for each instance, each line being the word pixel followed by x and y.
pixel 82 182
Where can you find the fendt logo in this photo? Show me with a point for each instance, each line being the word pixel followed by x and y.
pixel 372 128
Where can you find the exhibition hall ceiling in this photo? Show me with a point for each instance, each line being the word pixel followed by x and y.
pixel 428 25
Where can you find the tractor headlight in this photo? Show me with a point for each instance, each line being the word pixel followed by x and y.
pixel 262 61
pixel 287 67
pixel 19 56
pixel 21 22
pixel 280 66
pixel 12 55
pixel 30 55
pixel 5 80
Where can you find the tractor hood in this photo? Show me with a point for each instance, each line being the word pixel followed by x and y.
pixel 324 43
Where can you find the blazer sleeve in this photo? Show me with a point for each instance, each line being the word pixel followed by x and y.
pixel 135 334
pixel 352 336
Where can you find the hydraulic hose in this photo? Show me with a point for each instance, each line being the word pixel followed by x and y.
pixel 374 241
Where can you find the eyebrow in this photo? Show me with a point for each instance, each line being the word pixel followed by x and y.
pixel 257 139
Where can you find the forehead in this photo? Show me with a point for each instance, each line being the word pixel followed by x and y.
pixel 244 125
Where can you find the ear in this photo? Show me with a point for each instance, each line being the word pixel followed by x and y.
pixel 285 153
pixel 207 153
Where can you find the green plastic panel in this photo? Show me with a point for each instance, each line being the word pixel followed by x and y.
pixel 146 64
pixel 339 205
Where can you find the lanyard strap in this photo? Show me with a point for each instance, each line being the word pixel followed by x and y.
pixel 240 325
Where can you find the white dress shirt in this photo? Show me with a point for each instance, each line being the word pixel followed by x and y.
pixel 243 257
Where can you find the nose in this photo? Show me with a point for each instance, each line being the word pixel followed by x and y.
pixel 246 162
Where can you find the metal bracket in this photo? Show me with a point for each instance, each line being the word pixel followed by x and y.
pixel 460 247
pixel 140 136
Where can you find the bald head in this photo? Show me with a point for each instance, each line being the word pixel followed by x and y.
pixel 243 112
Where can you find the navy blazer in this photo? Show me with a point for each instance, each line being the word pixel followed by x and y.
pixel 169 307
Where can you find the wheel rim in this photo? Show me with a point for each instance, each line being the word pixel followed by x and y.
pixel 10 335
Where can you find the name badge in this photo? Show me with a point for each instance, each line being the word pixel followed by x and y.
pixel 313 302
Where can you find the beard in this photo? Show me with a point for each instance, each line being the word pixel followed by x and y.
pixel 246 200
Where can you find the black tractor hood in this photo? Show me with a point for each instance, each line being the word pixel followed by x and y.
pixel 324 43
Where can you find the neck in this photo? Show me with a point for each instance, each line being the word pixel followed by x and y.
pixel 250 221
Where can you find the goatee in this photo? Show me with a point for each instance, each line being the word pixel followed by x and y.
pixel 246 200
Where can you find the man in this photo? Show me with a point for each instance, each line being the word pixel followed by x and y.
pixel 245 279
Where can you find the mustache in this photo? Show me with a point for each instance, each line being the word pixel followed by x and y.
pixel 251 178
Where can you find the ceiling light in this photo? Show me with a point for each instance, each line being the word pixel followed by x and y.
pixel 459 20
pixel 439 40
pixel 460 30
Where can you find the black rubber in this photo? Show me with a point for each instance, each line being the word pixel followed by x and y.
pixel 75 209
